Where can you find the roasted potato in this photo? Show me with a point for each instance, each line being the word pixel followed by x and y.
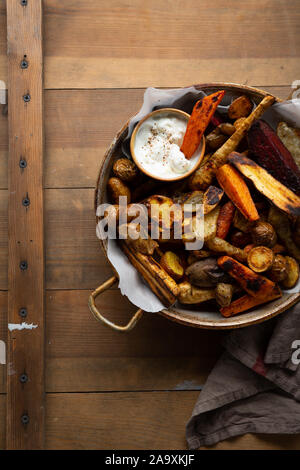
pixel 215 139
pixel 224 294
pixel 263 234
pixel 205 273
pixel 117 188
pixel 126 170
pixel 260 259
pixel 240 239
pixel 227 128
pixel 292 274
pixel 211 199
pixel 189 294
pixel 159 209
pixel 171 263
pixel 278 272
pixel 281 223
pixel 194 198
pixel 136 236
pixel 240 107
pixel 210 224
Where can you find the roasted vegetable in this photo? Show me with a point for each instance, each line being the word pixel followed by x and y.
pixel 292 273
pixel 156 277
pixel 240 239
pixel 210 224
pixel 260 259
pixel 278 272
pixel 225 219
pixel 251 282
pixel 248 248
pixel 290 136
pixel 239 122
pixel 278 249
pixel 218 245
pixel 198 122
pixel 240 107
pixel 160 210
pixel 194 198
pixel 264 234
pixel 205 273
pixel 248 301
pixel 171 263
pixel 224 294
pixel 269 152
pixel 275 191
pixel 211 199
pixel 196 255
pixel 117 188
pixel 241 223
pixel 226 128
pixel 125 169
pixel 189 294
pixel 236 189
pixel 216 119
pixel 136 236
pixel 296 232
pixel 204 176
pixel 215 139
pixel 281 223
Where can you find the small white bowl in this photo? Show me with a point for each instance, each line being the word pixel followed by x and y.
pixel 178 113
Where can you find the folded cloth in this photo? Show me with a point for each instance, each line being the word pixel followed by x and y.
pixel 255 385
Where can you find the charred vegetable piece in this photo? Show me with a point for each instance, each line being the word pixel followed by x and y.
pixel 212 197
pixel 160 210
pixel 292 274
pixel 278 249
pixel 278 272
pixel 241 223
pixel 260 259
pixel 194 198
pixel 251 282
pixel 281 223
pixel 117 188
pixel 205 273
pixel 125 169
pixel 171 263
pixel 218 245
pixel 240 107
pixel 204 176
pixel 291 139
pixel 264 182
pixel 215 139
pixel 264 234
pixel 224 294
pixel 236 189
pixel 240 239
pixel 136 236
pixel 210 224
pixel 225 219
pixel 154 275
pixel 269 152
pixel 198 122
pixel 189 294
pixel 247 301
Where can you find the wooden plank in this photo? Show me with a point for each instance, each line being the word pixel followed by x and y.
pixel 2 421
pixel 3 238
pixel 83 355
pixel 3 337
pixel 153 420
pixel 25 400
pixel 98 44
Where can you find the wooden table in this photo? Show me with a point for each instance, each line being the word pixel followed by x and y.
pixel 104 389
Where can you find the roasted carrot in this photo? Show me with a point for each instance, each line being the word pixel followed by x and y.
pixel 202 113
pixel 225 219
pixel 247 301
pixel 236 189
pixel 253 283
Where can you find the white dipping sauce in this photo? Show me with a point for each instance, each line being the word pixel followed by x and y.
pixel 157 146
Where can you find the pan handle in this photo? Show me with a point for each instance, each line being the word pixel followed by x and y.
pixel 106 285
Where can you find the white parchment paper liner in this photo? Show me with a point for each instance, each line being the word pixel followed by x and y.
pixel 131 283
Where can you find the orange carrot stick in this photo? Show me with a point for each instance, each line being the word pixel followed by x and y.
pixel 225 219
pixel 202 113
pixel 246 302
pixel 253 283
pixel 236 189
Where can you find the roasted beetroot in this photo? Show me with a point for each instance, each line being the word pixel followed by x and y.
pixel 267 150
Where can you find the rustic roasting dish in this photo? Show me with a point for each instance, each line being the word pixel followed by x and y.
pixel 208 317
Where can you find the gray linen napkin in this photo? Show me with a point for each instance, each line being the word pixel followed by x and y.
pixel 255 385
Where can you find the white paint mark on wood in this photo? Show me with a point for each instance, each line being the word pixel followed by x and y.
pixel 188 385
pixel 2 352
pixel 21 326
